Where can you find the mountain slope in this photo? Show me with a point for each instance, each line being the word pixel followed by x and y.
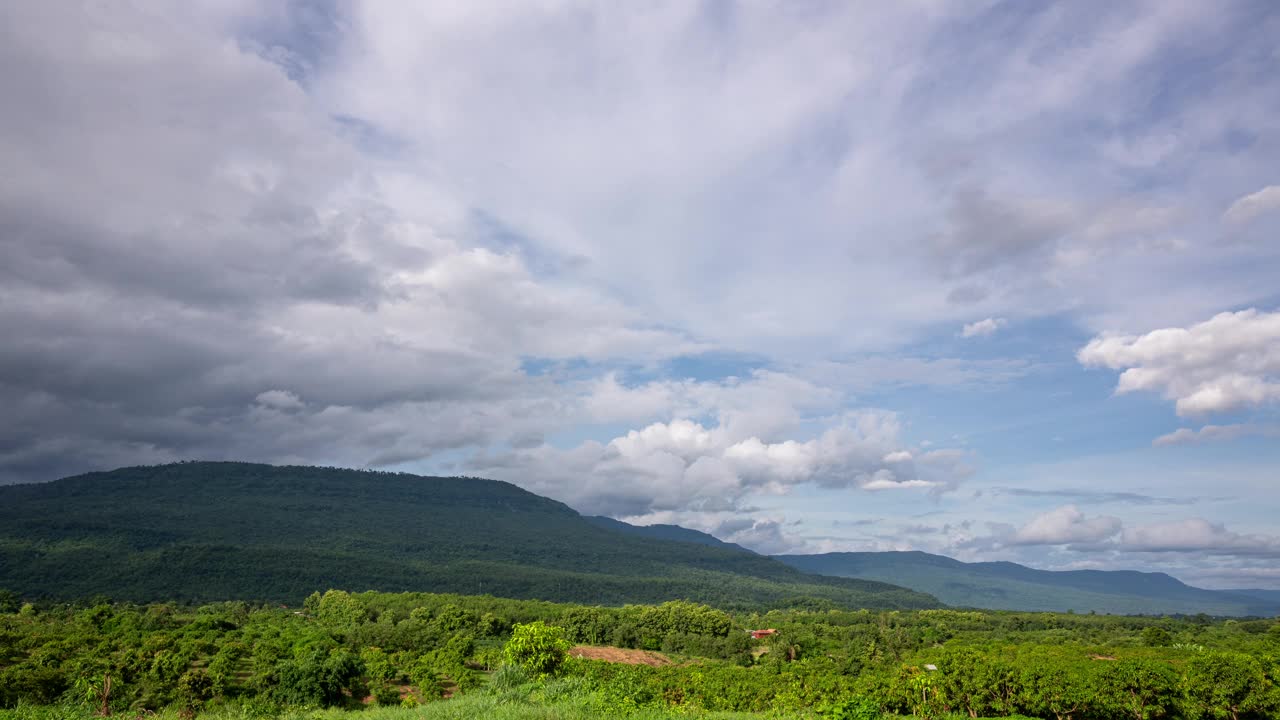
pixel 1009 586
pixel 662 532
pixel 1272 596
pixel 206 531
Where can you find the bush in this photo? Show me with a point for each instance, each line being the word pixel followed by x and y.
pixel 537 647
pixel 386 694
pixel 855 708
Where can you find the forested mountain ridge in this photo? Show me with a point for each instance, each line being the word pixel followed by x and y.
pixel 1010 586
pixel 663 532
pixel 205 531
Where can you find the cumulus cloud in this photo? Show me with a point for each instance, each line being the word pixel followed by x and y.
pixel 1196 535
pixel 1228 362
pixel 1215 433
pixel 1189 542
pixel 764 535
pixel 983 328
pixel 684 465
pixel 1065 525
pixel 1253 205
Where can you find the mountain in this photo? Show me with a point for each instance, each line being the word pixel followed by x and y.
pixel 208 531
pixel 1009 586
pixel 663 532
pixel 1272 596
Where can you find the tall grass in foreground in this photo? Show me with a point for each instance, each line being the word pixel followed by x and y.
pixel 511 696
pixel 474 707
pixel 564 699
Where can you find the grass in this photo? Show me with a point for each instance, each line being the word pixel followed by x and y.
pixel 565 699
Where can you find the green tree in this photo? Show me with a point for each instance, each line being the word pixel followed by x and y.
pixel 195 688
pixel 1225 685
pixel 319 678
pixel 537 647
pixel 337 608
pixel 1156 637
pixel 973 683
pixel 1139 689
pixel 1053 688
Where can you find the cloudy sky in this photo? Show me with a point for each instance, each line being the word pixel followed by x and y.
pixel 996 280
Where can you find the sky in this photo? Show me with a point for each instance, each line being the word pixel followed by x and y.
pixel 997 280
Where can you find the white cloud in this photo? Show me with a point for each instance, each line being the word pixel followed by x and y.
pixel 1216 433
pixel 983 328
pixel 1066 525
pixel 683 465
pixel 1228 362
pixel 1253 205
pixel 279 399
pixel 1196 535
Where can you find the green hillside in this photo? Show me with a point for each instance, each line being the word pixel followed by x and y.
pixel 1271 596
pixel 1009 586
pixel 208 531
pixel 663 532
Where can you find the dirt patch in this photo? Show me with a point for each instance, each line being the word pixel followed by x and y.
pixel 619 655
pixel 1102 657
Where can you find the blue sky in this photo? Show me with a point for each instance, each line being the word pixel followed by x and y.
pixel 996 280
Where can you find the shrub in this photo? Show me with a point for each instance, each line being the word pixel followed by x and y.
pixel 537 647
pixel 854 708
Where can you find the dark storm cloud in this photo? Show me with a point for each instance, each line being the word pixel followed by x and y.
pixel 166 262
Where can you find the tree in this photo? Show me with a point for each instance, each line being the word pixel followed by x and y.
pixel 195 688
pixel 537 647
pixel 971 682
pixel 1156 637
pixel 337 608
pixel 317 678
pixel 1054 688
pixel 1140 689
pixel 1225 685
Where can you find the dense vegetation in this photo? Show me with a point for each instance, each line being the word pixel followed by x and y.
pixel 501 657
pixel 1009 586
pixel 199 532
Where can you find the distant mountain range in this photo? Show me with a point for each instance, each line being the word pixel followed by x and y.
pixel 212 531
pixel 1009 586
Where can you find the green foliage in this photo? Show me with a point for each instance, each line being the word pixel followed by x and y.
pixel 1227 685
pixel 1140 689
pixel 1157 637
pixel 319 678
pixel 854 708
pixel 261 661
pixel 195 688
pixel 508 677
pixel 539 648
pixel 384 693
